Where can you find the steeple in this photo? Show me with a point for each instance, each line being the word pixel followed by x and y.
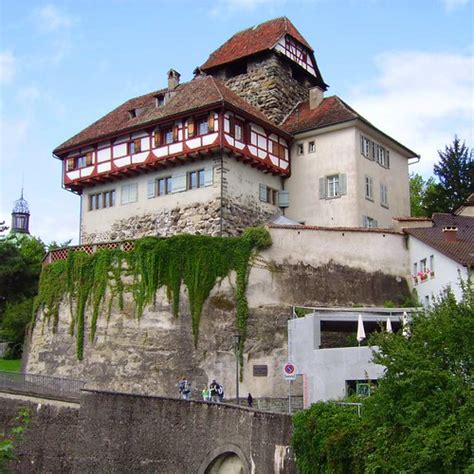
pixel 20 216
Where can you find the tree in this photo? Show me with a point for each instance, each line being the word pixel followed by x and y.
pixel 455 172
pixel 421 416
pixel 20 266
pixel 423 196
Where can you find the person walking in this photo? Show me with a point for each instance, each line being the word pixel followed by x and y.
pixel 213 391
pixel 205 394
pixel 184 387
pixel 250 400
pixel 220 393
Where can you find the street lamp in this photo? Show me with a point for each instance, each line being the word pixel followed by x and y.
pixel 237 347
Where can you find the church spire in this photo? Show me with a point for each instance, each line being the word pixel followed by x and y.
pixel 20 216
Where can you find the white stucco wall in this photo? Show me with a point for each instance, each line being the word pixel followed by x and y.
pixel 327 370
pixel 338 152
pixel 447 272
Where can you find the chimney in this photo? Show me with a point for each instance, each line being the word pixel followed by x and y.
pixel 173 79
pixel 450 233
pixel 316 96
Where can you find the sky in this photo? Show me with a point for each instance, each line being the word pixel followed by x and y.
pixel 405 65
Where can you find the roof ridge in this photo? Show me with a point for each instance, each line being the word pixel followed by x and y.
pixel 214 83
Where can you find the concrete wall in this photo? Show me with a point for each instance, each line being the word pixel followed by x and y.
pixel 338 152
pixel 303 267
pixel 111 432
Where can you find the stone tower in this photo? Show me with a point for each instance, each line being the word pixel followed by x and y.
pixel 269 65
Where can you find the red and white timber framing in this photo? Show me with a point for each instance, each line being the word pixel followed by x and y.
pixel 175 142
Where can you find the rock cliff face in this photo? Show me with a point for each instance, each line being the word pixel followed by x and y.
pixel 150 354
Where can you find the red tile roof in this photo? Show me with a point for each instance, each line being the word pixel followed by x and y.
pixel 202 92
pixel 253 40
pixel 461 251
pixel 331 111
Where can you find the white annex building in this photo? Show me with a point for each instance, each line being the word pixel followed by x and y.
pixel 251 137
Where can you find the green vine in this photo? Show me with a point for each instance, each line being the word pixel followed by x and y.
pixel 196 261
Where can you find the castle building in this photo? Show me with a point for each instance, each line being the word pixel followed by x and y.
pixel 251 137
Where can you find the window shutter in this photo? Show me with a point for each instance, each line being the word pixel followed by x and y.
pixel 208 176
pixel 157 138
pixel 210 122
pixel 70 164
pixel 387 159
pixel 362 145
pixel 376 224
pixel 175 133
pixel 232 125
pixel 151 188
pixel 246 132
pixel 283 198
pixel 191 128
pixel 372 150
pixel 138 145
pixel 342 184
pixel 179 183
pixel 364 221
pixel 322 188
pixel 89 159
pixel 263 193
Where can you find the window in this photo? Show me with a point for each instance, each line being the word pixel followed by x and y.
pixel 135 146
pixel 299 149
pixel 102 200
pixel 196 179
pixel 160 100
pixel 423 265
pixel 80 162
pixel 202 128
pixel 163 186
pixel 129 193
pixel 432 268
pixel 238 130
pixel 311 147
pixel 415 268
pixel 332 186
pixel 383 195
pixel 427 300
pixel 373 151
pixel 169 135
pixel 267 194
pixel 369 192
pixel 369 222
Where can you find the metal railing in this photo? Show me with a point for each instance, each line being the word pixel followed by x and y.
pixel 41 385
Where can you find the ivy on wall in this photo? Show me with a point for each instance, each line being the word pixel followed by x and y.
pixel 199 262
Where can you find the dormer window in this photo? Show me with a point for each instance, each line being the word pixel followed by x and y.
pixel 132 113
pixel 160 100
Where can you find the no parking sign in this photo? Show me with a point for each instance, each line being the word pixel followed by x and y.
pixel 289 371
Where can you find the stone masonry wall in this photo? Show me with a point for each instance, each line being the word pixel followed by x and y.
pixel 116 432
pixel 197 218
pixel 50 437
pixel 269 86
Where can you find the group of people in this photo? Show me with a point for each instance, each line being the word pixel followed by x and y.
pixel 215 392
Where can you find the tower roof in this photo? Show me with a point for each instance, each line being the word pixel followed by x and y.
pixel 20 206
pixel 254 40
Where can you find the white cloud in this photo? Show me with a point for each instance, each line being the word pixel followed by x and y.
pixel 8 66
pixel 451 5
pixel 421 99
pixel 50 18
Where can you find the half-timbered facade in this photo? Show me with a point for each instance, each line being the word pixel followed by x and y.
pixel 213 155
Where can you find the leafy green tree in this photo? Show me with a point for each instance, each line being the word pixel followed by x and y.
pixel 20 267
pixel 421 417
pixel 423 196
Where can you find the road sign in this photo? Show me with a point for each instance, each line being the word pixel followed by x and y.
pixel 289 370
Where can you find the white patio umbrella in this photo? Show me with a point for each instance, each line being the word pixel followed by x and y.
pixel 360 330
pixel 389 325
pixel 405 326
